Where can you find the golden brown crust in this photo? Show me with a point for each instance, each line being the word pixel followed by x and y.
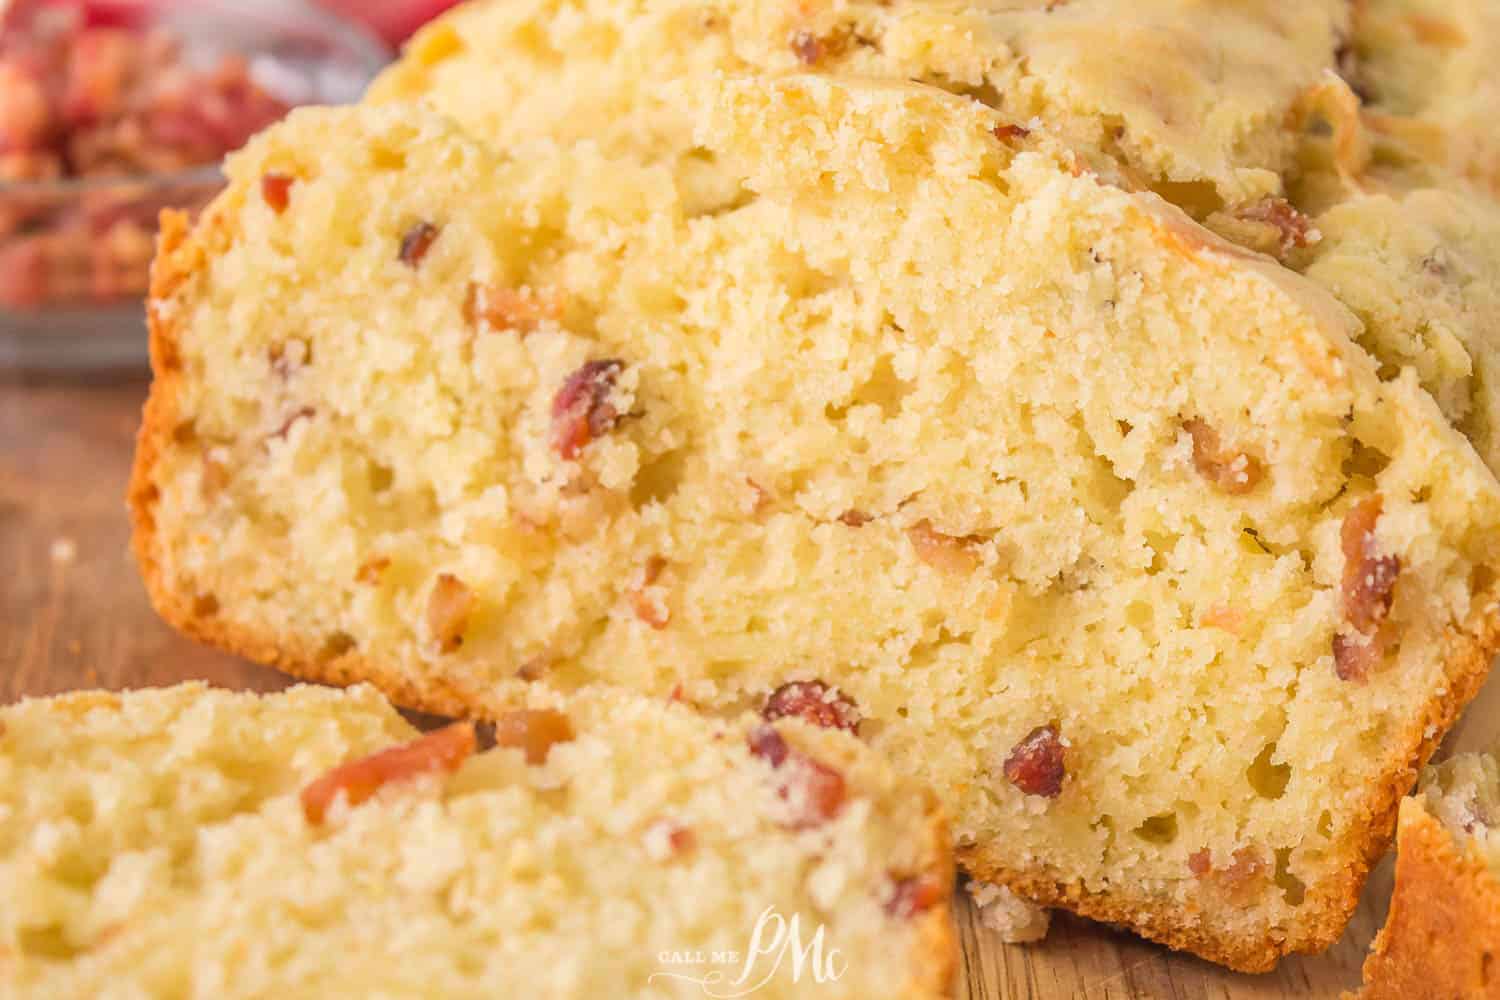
pixel 937 937
pixel 1327 907
pixel 1442 936
pixel 141 492
pixel 1324 913
pixel 176 257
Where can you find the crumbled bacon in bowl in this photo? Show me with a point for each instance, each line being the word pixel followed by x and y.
pixel 80 102
pixel 111 112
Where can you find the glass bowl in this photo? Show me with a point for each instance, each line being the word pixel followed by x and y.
pixel 75 252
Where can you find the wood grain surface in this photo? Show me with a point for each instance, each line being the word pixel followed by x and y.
pixel 73 614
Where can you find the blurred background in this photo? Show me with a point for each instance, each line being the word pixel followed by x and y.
pixel 111 110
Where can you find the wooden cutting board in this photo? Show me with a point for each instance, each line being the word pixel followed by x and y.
pixel 73 614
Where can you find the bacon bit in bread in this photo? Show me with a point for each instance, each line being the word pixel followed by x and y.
pixel 652 571
pixel 812 49
pixel 581 410
pixel 766 743
pixel 647 600
pixel 372 570
pixel 1010 133
pixel 855 518
pixel 666 839
pixel 440 752
pixel 650 609
pixel 448 610
pixel 1234 472
pixel 1240 881
pixel 1369 585
pixel 1223 616
pixel 1037 764
pixel 1294 230
pixel 949 553
pixel 1357 531
pixel 1355 657
pixel 913 895
pixel 1247 865
pixel 534 731
pixel 814 702
pixel 808 47
pixel 522 310
pixel 276 189
pixel 417 241
pixel 813 791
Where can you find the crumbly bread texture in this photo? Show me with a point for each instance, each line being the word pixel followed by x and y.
pixel 161 843
pixel 1105 526
pixel 1401 199
pixel 1013 918
pixel 1202 99
pixel 1221 109
pixel 1421 269
pixel 1442 936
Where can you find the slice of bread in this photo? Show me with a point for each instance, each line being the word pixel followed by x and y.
pixel 1214 108
pixel 1441 938
pixel 1107 527
pixel 1421 269
pixel 1201 100
pixel 194 843
pixel 1410 240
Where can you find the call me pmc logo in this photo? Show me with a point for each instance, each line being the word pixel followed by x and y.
pixel 775 942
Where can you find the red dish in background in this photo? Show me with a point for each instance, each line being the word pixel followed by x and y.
pixel 82 100
pixel 392 20
pixel 112 111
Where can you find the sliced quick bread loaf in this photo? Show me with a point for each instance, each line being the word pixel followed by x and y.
pixel 1442 935
pixel 1106 527
pixel 195 843
pixel 1333 136
pixel 1202 100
